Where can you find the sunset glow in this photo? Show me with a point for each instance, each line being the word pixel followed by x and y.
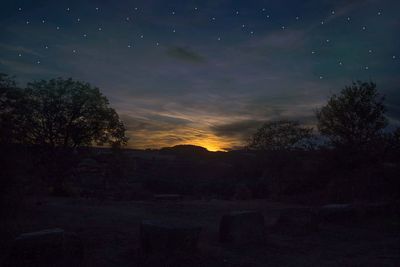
pixel 248 61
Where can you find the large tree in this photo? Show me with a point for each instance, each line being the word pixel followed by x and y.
pixel 9 93
pixel 63 113
pixel 280 135
pixel 354 118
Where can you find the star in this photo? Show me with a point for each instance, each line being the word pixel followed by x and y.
pixel 213 18
pixel 20 55
pixel 57 28
pixel 313 52
pixel 84 35
pixel 321 77
pixel 97 9
pixel 99 28
pixel 127 18
pixel 283 27
pixel 251 32
pixel 263 9
pixel 297 18
pixel 267 16
pixel 237 12
pixel 46 47
pixel 195 8
pixel 38 62
pixel 173 30
pixel 322 22
pixel 340 63
pixel 394 57
pixel 219 38
pixel 27 22
pixel 157 44
pixel 364 28
pixel 348 18
pixel 333 12
pixel 173 12
pixel 327 40
pixel 141 36
pixel 78 19
pixel 379 13
pixel 19 9
pixel 73 51
pixel 243 25
pixel 129 46
pixel 370 51
pixel 68 9
pixel 43 21
pixel 366 68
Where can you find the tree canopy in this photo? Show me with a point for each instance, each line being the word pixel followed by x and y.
pixel 280 135
pixel 353 118
pixel 60 113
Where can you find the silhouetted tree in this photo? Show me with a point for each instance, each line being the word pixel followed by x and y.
pixel 63 113
pixel 394 140
pixel 355 118
pixel 280 135
pixel 9 93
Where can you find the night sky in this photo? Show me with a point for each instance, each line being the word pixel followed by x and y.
pixel 206 72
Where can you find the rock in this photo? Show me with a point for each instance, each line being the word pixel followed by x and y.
pixel 168 238
pixel 242 192
pixel 337 213
pixel 380 209
pixel 170 197
pixel 350 213
pixel 299 221
pixel 50 247
pixel 242 227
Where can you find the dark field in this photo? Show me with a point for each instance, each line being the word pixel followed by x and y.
pixel 110 234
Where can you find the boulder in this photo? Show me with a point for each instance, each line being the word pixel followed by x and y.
pixel 242 192
pixel 168 238
pixel 297 221
pixel 168 197
pixel 380 209
pixel 50 247
pixel 242 227
pixel 337 213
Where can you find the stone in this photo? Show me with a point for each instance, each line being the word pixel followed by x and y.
pixel 242 227
pixel 242 192
pixel 377 210
pixel 168 238
pixel 337 213
pixel 299 221
pixel 50 247
pixel 168 197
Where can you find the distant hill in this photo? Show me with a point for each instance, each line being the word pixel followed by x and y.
pixel 185 149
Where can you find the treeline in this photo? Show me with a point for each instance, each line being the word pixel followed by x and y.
pixel 351 154
pixel 353 121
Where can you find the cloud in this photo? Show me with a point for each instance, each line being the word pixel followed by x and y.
pixel 25 68
pixel 238 129
pixel 287 39
pixel 20 49
pixel 185 54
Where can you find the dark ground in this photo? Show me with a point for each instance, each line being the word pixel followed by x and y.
pixel 110 232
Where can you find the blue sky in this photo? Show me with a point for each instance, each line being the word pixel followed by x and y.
pixel 206 72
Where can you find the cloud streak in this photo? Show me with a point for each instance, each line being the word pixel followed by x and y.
pixel 185 54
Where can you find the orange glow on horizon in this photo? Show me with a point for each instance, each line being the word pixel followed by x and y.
pixel 157 140
pixel 210 145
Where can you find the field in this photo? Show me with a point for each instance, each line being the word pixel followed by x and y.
pixel 110 234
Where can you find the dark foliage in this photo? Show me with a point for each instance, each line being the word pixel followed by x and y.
pixel 281 135
pixel 355 118
pixel 58 113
